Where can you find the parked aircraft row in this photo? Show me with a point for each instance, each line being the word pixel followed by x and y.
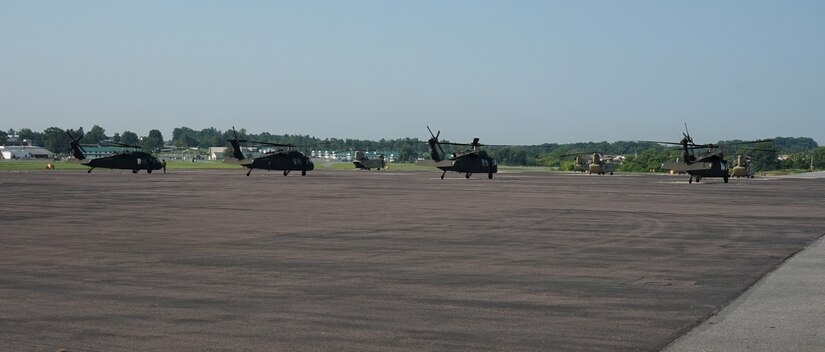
pixel 698 160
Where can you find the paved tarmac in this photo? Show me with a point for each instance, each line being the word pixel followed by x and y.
pixel 383 261
pixel 783 312
pixel 815 174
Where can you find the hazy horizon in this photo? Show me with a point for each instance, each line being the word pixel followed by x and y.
pixel 528 72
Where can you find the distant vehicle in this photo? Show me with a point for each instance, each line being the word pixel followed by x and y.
pixel 710 163
pixel 467 162
pixel 128 160
pixel 743 167
pixel 282 160
pixel 598 164
pixel 580 164
pixel 365 163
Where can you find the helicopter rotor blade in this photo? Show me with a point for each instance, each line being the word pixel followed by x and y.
pixel 269 143
pixel 672 143
pixel 76 141
pixel 760 149
pixel 751 142
pixel 124 145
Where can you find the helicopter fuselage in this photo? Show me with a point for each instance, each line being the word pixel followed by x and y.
pixel 281 160
pixel 701 166
pixel 601 168
pixel 134 161
pixel 364 163
pixel 470 163
pixel 743 167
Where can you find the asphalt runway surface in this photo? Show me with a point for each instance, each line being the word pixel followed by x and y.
pixel 383 261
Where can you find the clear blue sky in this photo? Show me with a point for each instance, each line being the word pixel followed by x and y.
pixel 509 72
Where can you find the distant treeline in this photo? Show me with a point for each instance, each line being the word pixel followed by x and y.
pixel 638 156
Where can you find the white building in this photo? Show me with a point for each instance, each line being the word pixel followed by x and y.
pixel 24 152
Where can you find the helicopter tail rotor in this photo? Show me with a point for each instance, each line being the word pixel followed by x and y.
pixel 433 143
pixel 687 134
pixel 434 135
pixel 236 145
pixel 77 150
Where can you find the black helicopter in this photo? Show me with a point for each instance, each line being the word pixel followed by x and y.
pixel 127 160
pixel 466 162
pixel 710 163
pixel 284 160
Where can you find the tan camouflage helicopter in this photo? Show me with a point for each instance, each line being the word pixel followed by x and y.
pixel 598 164
pixel 743 166
pixel 363 162
pixel 580 164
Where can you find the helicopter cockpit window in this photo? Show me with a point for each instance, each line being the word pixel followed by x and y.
pixel 138 161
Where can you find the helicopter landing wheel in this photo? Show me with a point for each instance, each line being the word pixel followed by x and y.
pixel 611 173
pixel 286 172
pixel 442 174
pixel 134 171
pixel 148 171
pixel 303 172
pixel 725 179
pixel 467 176
pixel 490 176
pixel 691 180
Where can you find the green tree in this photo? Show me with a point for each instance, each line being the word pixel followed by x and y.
pixel 3 137
pixel 95 135
pixel 407 153
pixel 57 141
pixel 153 141
pixel 789 145
pixel 184 137
pixel 27 134
pixel 763 158
pixel 818 155
pixel 129 137
pixel 116 138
